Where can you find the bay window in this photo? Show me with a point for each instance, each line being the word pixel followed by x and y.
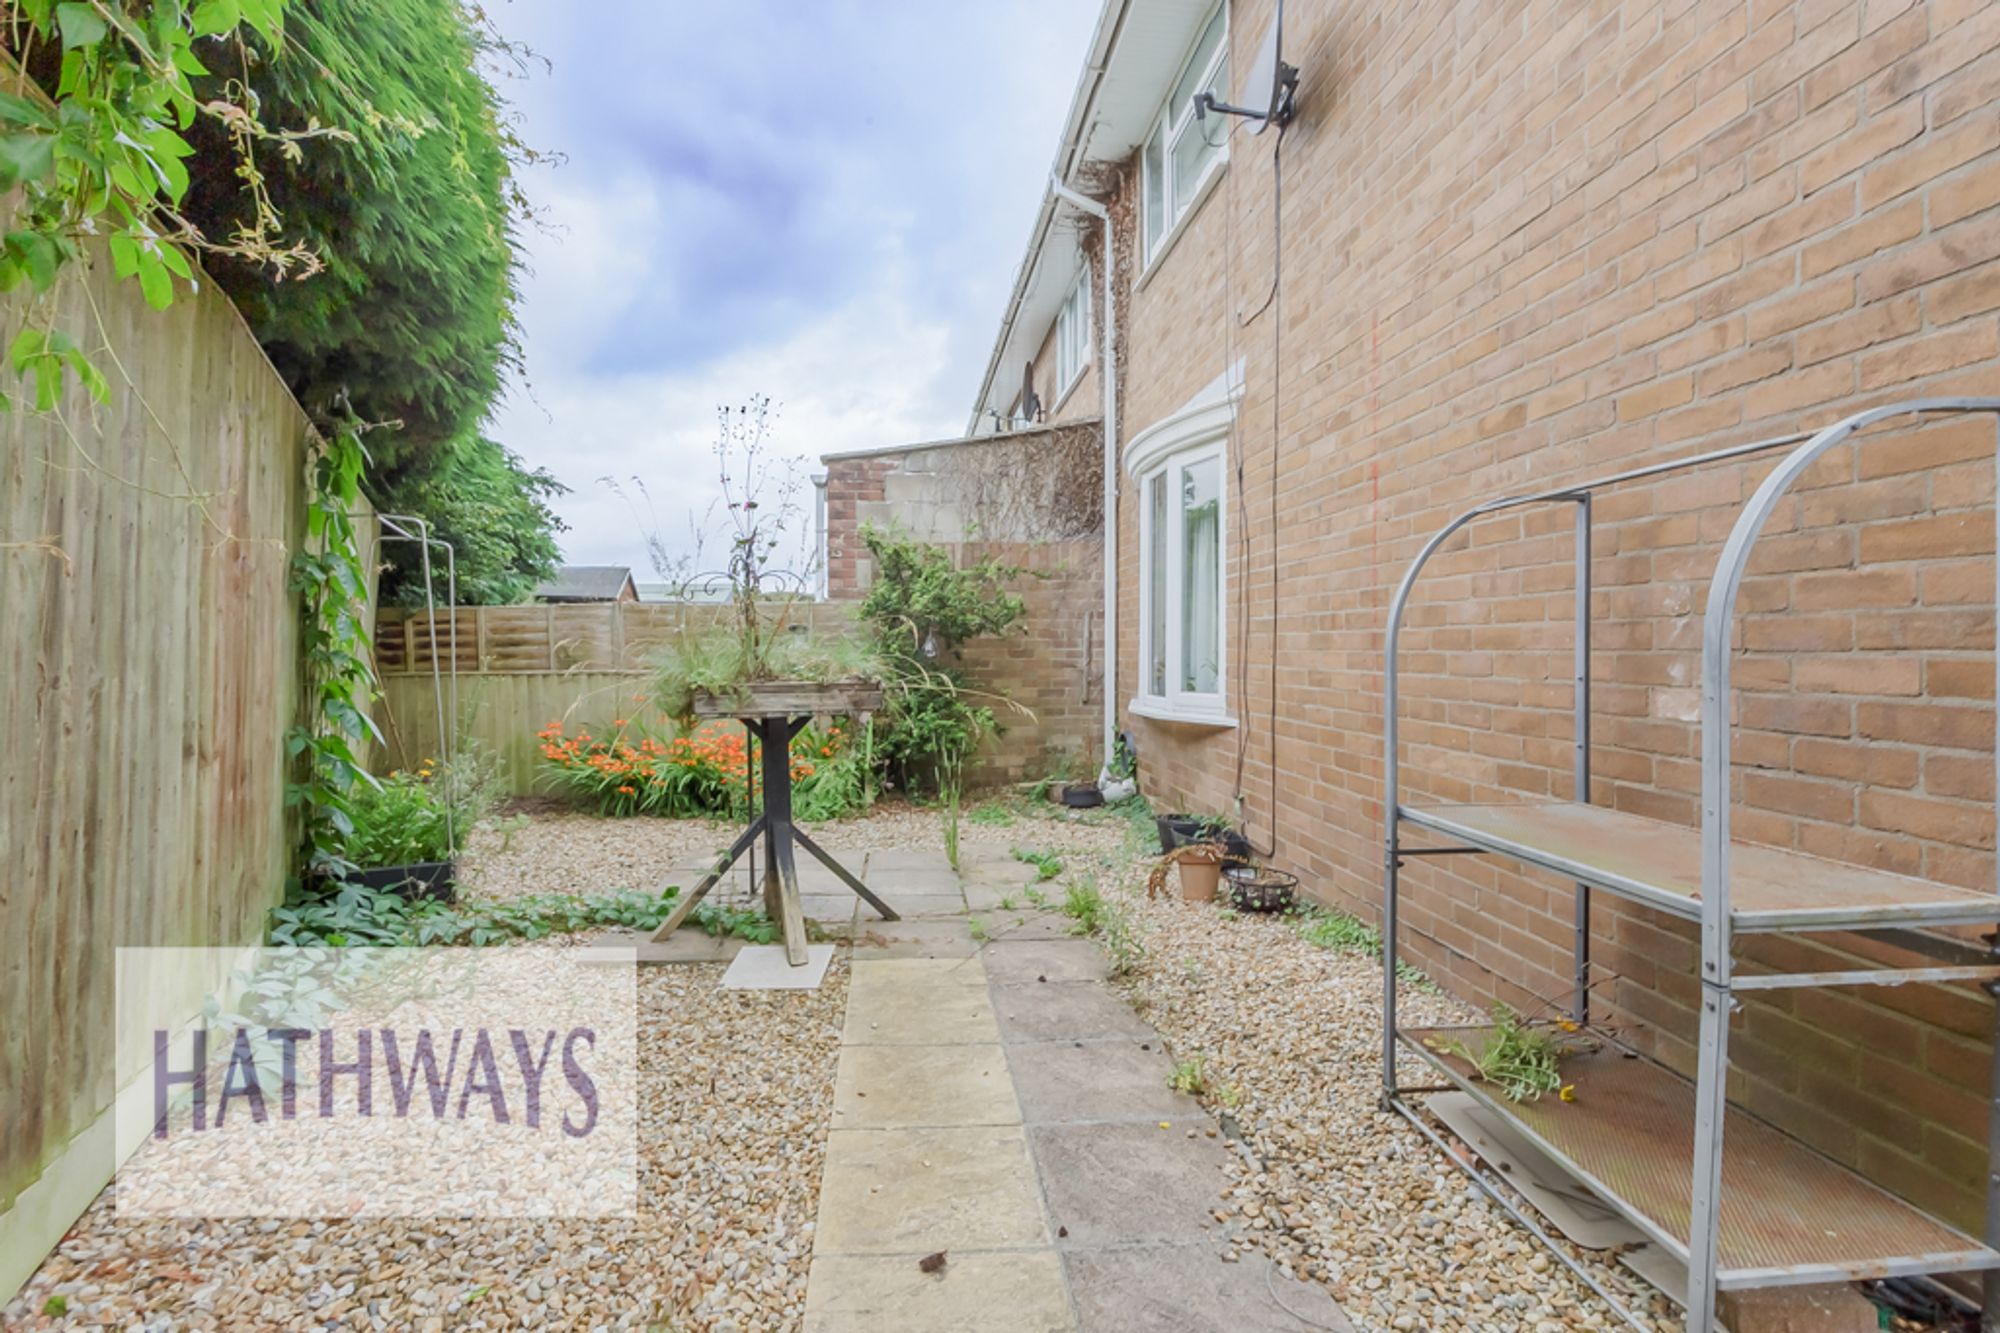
pixel 1182 581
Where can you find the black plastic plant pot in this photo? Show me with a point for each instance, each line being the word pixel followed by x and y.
pixel 1259 888
pixel 1179 830
pixel 425 881
pixel 1082 795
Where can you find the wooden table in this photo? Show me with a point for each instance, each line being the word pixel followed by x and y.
pixel 773 714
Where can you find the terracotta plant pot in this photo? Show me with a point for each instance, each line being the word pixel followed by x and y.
pixel 1201 874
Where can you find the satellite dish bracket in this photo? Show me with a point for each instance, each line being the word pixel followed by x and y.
pixel 1280 114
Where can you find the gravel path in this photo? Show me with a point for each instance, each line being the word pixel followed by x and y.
pixel 1334 1188
pixel 737 1100
pixel 558 851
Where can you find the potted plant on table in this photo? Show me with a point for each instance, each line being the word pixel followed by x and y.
pixel 756 659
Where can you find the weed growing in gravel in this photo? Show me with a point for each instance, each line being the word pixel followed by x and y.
pixel 1327 929
pixel 1190 1075
pixel 1085 906
pixel 950 798
pixel 1337 930
pixel 1046 863
pixel 992 814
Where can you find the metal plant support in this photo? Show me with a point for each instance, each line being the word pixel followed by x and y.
pixel 417 531
pixel 1775 1233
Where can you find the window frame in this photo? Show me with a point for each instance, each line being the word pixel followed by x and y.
pixel 1073 322
pixel 1169 130
pixel 1176 703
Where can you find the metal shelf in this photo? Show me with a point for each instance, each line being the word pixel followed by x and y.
pixel 1659 864
pixel 1789 1215
pixel 1770 1211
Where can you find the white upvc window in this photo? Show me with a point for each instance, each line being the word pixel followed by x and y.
pixel 1073 335
pixel 1182 538
pixel 1183 151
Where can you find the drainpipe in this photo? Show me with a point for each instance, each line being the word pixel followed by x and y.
pixel 1110 378
pixel 822 581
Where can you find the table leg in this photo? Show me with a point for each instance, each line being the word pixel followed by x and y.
pixel 783 873
pixel 708 881
pixel 887 912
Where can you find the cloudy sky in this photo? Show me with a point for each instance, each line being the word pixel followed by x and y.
pixel 819 200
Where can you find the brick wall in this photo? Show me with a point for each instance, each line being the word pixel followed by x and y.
pixel 1031 500
pixel 850 483
pixel 1525 242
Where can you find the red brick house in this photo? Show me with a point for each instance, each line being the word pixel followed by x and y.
pixel 1502 247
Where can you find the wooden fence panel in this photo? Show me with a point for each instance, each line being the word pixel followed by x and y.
pixel 148 644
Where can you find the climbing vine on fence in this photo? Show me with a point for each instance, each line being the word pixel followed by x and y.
pixel 106 155
pixel 331 581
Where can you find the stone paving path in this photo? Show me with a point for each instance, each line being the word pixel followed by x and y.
pixel 999 1103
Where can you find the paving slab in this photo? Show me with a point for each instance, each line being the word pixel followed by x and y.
pixel 689 944
pixel 1065 1011
pixel 996 867
pixel 947 938
pixel 1174 1288
pixel 917 1191
pixel 1017 1291
pixel 1012 961
pixel 1100 1080
pixel 921 906
pixel 892 884
pixel 907 858
pixel 983 895
pixel 919 1011
pixel 765 967
pixel 1130 1183
pixel 891 1087
pixel 1032 927
pixel 869 972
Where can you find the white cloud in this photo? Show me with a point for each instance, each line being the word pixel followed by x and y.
pixel 838 232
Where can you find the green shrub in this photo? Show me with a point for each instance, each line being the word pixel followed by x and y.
pixel 921 609
pixel 354 916
pixel 417 815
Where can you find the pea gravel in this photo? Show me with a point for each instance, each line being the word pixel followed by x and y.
pixel 738 1089
pixel 1327 1184
pixel 737 1096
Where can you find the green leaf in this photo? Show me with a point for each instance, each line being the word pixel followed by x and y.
pixel 20 111
pixel 155 282
pixel 81 25
pixel 89 375
pixel 27 345
pixel 48 383
pixel 38 256
pixel 124 256
pixel 216 16
pixel 25 157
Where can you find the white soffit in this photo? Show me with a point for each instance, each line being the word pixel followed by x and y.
pixel 1134 56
